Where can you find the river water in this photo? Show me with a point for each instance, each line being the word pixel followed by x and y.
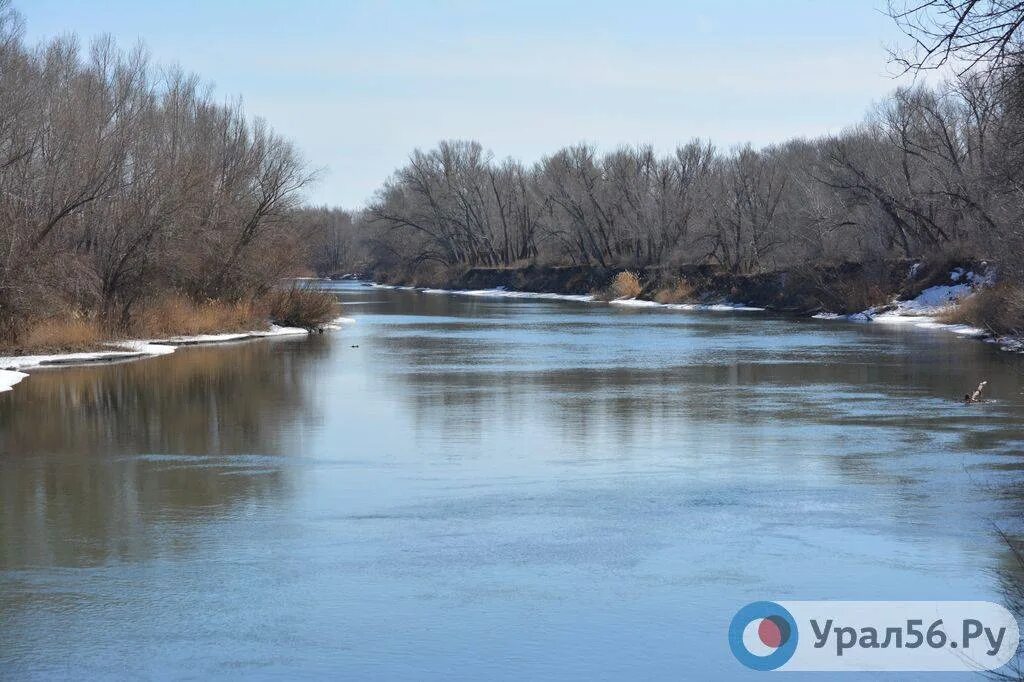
pixel 494 489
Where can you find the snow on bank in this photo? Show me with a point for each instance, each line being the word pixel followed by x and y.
pixel 923 310
pixel 490 293
pixel 634 303
pixel 138 349
pixel 273 330
pixel 339 322
pixel 716 307
pixel 582 298
pixel 19 362
pixel 8 378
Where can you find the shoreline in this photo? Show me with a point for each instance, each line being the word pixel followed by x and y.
pixel 13 367
pixel 921 311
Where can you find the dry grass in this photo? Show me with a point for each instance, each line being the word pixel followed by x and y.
pixel 626 284
pixel 178 316
pixel 299 306
pixel 680 291
pixel 174 315
pixel 1000 309
pixel 60 334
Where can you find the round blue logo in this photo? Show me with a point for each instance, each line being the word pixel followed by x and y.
pixel 763 635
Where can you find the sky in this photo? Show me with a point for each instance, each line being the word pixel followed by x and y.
pixel 359 84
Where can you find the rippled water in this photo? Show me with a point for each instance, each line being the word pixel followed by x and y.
pixel 513 489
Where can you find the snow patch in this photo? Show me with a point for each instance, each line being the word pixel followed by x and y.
pixel 8 378
pixel 505 293
pixel 936 298
pixel 339 322
pixel 138 349
pixel 501 292
pixel 18 362
pixel 498 292
pixel 634 303
pixel 922 310
pixel 147 347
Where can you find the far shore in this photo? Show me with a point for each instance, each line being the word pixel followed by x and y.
pixel 911 292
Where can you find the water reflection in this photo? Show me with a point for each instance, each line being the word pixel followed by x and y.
pixel 98 462
pixel 201 400
pixel 604 377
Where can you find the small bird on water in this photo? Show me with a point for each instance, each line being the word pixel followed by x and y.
pixel 976 396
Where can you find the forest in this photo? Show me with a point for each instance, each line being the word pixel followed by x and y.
pixel 134 201
pixel 930 169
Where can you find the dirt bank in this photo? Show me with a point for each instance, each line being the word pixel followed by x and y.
pixel 841 288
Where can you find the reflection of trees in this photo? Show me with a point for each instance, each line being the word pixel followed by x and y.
pixel 94 459
pixel 862 398
pixel 89 511
pixel 872 407
pixel 204 400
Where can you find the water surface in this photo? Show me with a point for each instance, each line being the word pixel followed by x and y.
pixel 493 489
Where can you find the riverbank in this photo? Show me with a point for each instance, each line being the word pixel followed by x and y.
pixel 13 368
pixel 925 294
pixel 840 288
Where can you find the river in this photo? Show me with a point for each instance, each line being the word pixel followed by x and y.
pixel 457 487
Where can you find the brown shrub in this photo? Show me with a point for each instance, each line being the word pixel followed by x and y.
pixel 61 334
pixel 299 306
pixel 626 284
pixel 680 291
pixel 1000 309
pixel 175 315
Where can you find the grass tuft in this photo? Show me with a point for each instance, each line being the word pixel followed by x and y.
pixel 999 309
pixel 626 284
pixel 680 291
pixel 61 334
pixel 299 306
pixel 179 316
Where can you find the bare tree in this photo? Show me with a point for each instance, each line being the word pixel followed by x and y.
pixel 120 183
pixel 974 33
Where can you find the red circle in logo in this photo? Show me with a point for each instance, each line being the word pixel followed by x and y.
pixel 769 633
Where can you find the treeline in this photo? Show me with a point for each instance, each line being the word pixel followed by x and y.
pixel 930 170
pixel 121 182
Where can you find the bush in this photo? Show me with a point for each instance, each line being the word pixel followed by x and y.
pixel 679 291
pixel 61 334
pixel 299 306
pixel 626 284
pixel 1000 309
pixel 175 315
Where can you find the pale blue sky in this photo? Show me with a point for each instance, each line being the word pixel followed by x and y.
pixel 359 84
